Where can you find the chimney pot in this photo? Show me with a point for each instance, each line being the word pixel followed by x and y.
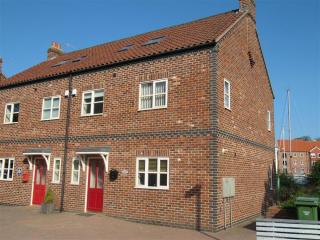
pixel 54 51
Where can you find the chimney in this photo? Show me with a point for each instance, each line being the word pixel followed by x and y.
pixel 2 76
pixel 248 6
pixel 54 51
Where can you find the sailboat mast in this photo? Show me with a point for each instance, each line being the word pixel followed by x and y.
pixel 289 124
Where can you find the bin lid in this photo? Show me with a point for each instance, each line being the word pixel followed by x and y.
pixel 307 201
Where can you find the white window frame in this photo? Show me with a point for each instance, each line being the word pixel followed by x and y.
pixel 318 155
pixel 154 82
pixel 83 114
pixel 146 172
pixel 79 171
pixel 301 155
pixel 2 168
pixel 313 155
pixel 227 94
pixel 54 170
pixel 269 123
pixel 51 108
pixel 11 116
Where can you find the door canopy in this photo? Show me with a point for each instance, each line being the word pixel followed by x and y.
pixel 102 151
pixel 44 152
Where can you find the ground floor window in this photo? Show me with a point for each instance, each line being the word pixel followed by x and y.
pixel 152 173
pixel 56 170
pixel 6 168
pixel 75 177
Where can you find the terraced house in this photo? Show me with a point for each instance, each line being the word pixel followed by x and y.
pixel 171 127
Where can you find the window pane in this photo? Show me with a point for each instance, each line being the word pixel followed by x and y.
pixel 163 165
pixel 160 100
pixel 56 176
pixel 43 176
pixel 163 180
pixel 141 178
pixel 55 113
pixel 46 114
pixel 11 164
pixel 226 88
pixel 93 175
pixel 9 109
pixel 6 163
pixel 146 102
pixel 99 96
pixel 38 176
pixel 153 165
pixel 87 108
pixel 146 89
pixel 142 164
pixel 161 87
pixel 15 117
pixel 98 108
pixel 100 176
pixel 87 97
pixel 56 102
pixel 8 116
pixel 226 101
pixel 57 164
pixel 75 176
pixel 5 174
pixel 152 180
pixel 47 103
pixel 76 164
pixel 16 107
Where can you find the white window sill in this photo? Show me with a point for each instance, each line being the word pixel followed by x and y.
pixel 55 183
pixel 6 180
pixel 152 188
pixel 75 184
pixel 10 123
pixel 92 115
pixel 149 109
pixel 228 108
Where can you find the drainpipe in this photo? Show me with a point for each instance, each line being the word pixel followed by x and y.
pixel 66 143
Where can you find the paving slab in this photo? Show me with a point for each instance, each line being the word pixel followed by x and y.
pixel 28 223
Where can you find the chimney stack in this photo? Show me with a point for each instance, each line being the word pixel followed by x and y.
pixel 248 6
pixel 2 76
pixel 54 51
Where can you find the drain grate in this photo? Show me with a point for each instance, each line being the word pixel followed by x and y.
pixel 86 214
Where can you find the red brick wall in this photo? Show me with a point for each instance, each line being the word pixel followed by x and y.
pixel 251 97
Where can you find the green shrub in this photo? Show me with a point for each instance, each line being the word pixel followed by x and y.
pixel 315 174
pixel 288 188
pixel 49 197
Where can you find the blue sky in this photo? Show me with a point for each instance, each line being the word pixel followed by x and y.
pixel 289 32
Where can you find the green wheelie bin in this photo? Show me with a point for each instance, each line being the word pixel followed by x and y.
pixel 307 208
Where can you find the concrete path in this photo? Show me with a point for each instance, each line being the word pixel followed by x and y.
pixel 27 223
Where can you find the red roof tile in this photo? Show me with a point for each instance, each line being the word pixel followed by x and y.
pixel 197 33
pixel 298 145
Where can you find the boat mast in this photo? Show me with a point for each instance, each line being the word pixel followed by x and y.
pixel 289 126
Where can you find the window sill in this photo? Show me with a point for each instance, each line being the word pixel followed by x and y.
pixel 152 188
pixel 92 115
pixel 46 120
pixel 226 108
pixel 57 183
pixel 150 109
pixel 75 184
pixel 6 180
pixel 11 123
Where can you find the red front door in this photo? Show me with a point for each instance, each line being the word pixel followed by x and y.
pixel 95 185
pixel 39 188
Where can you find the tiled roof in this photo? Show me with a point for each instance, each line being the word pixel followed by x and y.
pixel 298 145
pixel 197 33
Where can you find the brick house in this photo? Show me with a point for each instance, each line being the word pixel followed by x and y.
pixel 304 154
pixel 148 128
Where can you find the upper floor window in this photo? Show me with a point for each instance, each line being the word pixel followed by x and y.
pixel 51 108
pixel 313 155
pixel 152 173
pixel 6 169
pixel 153 95
pixel 318 155
pixel 269 121
pixel 56 170
pixel 12 113
pixel 227 94
pixel 92 102
pixel 301 154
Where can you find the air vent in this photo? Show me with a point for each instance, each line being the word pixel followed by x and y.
pixel 154 41
pixel 60 63
pixel 78 59
pixel 251 60
pixel 126 48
